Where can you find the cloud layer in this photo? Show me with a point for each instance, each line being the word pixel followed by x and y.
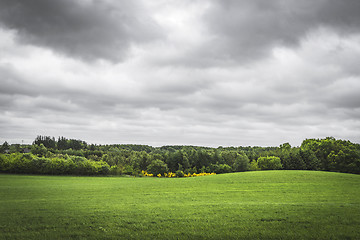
pixel 85 29
pixel 180 72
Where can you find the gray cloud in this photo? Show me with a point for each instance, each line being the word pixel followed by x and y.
pixel 342 15
pixel 10 83
pixel 84 29
pixel 227 72
pixel 247 30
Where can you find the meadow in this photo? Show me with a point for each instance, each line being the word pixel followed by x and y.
pixel 246 205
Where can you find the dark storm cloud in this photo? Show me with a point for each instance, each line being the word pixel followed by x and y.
pixel 343 15
pixel 85 29
pixel 248 30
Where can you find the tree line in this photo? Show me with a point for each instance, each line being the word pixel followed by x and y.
pixel 48 155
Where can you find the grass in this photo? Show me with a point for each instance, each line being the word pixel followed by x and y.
pixel 249 205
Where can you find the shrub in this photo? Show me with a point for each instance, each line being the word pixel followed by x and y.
pixel 157 167
pixel 103 167
pixel 179 173
pixel 254 166
pixel 128 170
pixel 115 170
pixel 221 168
pixel 193 170
pixel 269 163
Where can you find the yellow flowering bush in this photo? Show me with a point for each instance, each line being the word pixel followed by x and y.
pixel 146 174
pixel 171 174
pixel 198 174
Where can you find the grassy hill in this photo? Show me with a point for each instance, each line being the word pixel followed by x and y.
pixel 248 205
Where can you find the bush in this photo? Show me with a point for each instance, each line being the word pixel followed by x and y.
pixel 221 168
pixel 269 163
pixel 115 170
pixel 179 173
pixel 193 170
pixel 157 167
pixel 254 166
pixel 128 170
pixel 103 167
pixel 29 163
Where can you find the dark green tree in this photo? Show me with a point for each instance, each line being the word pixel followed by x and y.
pixel 4 147
pixel 157 167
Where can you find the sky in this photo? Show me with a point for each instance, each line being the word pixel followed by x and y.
pixel 180 72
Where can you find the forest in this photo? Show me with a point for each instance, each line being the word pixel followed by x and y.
pixel 62 156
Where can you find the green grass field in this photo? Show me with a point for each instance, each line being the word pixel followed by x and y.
pixel 249 205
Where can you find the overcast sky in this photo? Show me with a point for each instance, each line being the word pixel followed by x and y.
pixel 184 72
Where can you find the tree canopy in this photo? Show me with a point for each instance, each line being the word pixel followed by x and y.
pixel 68 156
